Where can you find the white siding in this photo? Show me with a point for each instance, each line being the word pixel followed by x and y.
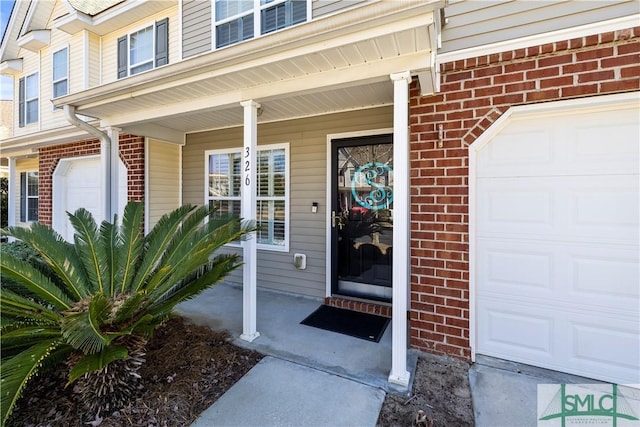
pixel 308 183
pixel 473 23
pixel 164 179
pixel 110 42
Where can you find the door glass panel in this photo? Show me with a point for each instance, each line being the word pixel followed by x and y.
pixel 363 220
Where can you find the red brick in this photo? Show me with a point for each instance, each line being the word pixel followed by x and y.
pixel 556 82
pixel 617 86
pixel 596 76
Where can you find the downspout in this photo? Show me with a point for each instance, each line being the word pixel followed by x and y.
pixel 105 154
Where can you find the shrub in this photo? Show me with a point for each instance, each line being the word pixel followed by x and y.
pixel 94 303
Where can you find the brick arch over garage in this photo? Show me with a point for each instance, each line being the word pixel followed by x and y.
pixel 474 93
pixel 131 153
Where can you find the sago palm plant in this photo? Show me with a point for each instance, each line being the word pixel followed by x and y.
pixel 94 304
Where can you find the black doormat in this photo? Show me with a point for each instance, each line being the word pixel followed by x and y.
pixel 366 326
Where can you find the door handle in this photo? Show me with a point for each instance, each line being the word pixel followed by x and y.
pixel 333 219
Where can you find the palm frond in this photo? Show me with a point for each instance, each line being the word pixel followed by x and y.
pixel 17 306
pixel 132 241
pixel 205 241
pixel 219 267
pixel 109 241
pixel 26 336
pixel 58 254
pixel 17 371
pixel 83 330
pixel 97 361
pixel 156 242
pixel 33 279
pixel 88 248
pixel 183 254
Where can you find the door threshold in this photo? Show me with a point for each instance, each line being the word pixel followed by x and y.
pixel 358 304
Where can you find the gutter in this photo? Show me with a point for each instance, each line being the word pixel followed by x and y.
pixel 106 157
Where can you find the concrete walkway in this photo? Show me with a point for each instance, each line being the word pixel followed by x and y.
pixel 280 393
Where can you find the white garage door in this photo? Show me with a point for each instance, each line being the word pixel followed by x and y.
pixel 78 184
pixel 557 243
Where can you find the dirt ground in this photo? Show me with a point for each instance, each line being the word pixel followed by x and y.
pixel 189 367
pixel 440 390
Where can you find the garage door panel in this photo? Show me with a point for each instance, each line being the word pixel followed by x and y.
pixel 601 278
pixel 514 269
pixel 528 147
pixel 509 331
pixel 579 209
pixel 557 242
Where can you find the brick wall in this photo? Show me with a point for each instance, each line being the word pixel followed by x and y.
pixel 131 153
pixel 474 93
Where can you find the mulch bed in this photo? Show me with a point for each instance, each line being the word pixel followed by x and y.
pixel 187 368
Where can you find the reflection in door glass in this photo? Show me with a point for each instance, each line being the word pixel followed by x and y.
pixel 364 220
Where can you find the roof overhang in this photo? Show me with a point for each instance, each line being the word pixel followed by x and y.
pixel 112 19
pixel 337 63
pixel 30 143
pixel 35 40
pixel 11 67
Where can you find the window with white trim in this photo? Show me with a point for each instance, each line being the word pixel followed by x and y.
pixel 144 49
pixel 28 196
pixel 60 73
pixel 224 182
pixel 28 100
pixel 238 20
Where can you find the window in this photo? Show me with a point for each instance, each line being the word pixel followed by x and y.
pixel 60 73
pixel 28 196
pixel 224 183
pixel 236 20
pixel 28 93
pixel 144 49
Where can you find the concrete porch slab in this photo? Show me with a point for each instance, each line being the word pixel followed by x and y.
pixel 281 334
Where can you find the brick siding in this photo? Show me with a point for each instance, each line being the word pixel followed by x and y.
pixel 474 93
pixel 131 153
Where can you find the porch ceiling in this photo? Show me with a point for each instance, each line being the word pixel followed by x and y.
pixel 324 66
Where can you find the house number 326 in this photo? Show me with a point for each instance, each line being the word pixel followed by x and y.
pixel 247 166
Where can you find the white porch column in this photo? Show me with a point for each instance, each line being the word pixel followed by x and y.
pixel 248 208
pixel 401 226
pixel 105 169
pixel 114 165
pixel 12 195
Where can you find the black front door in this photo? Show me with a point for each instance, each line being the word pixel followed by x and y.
pixel 361 220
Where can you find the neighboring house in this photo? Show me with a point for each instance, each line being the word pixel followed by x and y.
pixel 473 163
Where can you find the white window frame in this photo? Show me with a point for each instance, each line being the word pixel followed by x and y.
pixel 131 66
pixel 257 20
pixel 287 195
pixel 66 77
pixel 36 75
pixel 27 196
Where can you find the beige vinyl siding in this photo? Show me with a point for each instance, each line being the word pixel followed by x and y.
pixel 93 44
pixel 326 7
pixel 163 163
pixel 196 27
pixel 473 23
pixel 110 42
pixel 307 140
pixel 22 165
